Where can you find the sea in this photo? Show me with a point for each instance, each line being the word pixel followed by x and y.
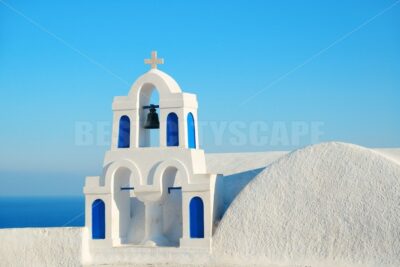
pixel 20 212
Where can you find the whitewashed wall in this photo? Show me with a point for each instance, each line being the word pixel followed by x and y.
pixel 40 247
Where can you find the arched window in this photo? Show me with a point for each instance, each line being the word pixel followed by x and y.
pixel 124 132
pixel 196 218
pixel 98 220
pixel 149 136
pixel 191 131
pixel 172 130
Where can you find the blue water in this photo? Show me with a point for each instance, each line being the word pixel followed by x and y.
pixel 16 212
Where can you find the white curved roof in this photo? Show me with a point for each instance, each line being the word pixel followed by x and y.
pixel 162 81
pixel 331 204
pixel 170 94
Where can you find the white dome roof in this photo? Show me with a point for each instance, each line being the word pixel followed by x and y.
pixel 331 204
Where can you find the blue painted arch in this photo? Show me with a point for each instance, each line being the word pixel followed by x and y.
pixel 124 132
pixel 172 130
pixel 191 131
pixel 98 219
pixel 196 208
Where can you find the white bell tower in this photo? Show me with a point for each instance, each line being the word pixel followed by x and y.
pixel 152 196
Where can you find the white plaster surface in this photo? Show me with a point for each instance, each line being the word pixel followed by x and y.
pixel 40 247
pixel 331 205
pixel 234 163
pixel 391 153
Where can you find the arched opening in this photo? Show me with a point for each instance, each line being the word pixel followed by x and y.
pixel 196 218
pixel 148 96
pixel 124 132
pixel 98 219
pixel 126 211
pixel 191 131
pixel 121 211
pixel 172 206
pixel 172 130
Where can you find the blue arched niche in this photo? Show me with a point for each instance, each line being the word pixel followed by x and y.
pixel 172 130
pixel 124 132
pixel 196 218
pixel 191 131
pixel 98 219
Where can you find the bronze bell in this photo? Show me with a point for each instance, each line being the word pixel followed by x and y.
pixel 152 121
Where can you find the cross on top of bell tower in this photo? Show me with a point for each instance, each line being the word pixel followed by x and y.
pixel 154 61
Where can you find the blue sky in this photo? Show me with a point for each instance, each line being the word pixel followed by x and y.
pixel 335 64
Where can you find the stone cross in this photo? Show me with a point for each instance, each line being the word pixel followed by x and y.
pixel 154 61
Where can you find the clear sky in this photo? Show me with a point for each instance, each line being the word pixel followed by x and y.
pixel 324 70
